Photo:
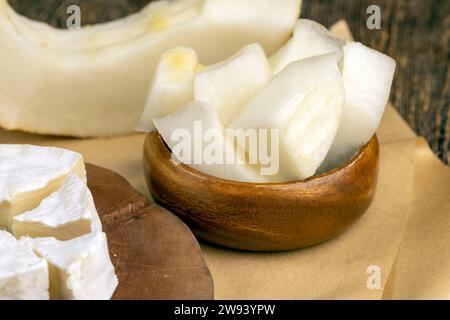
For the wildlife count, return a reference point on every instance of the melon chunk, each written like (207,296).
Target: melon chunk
(367,76)
(172,85)
(304,102)
(196,136)
(310,39)
(230,85)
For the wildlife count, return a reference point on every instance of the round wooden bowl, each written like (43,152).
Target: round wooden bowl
(263,217)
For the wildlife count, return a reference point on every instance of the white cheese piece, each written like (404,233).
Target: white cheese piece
(310,39)
(80,269)
(304,102)
(367,76)
(23,275)
(67,213)
(94,82)
(28,174)
(187,129)
(229,85)
(171,87)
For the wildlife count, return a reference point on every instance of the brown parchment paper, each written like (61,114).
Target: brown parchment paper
(422,268)
(405,234)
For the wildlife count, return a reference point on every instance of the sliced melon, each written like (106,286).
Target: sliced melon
(94,81)
(231,84)
(367,76)
(196,137)
(310,39)
(172,85)
(304,102)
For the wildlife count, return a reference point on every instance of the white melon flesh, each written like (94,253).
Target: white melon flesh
(310,39)
(94,81)
(305,103)
(230,85)
(172,85)
(367,76)
(186,119)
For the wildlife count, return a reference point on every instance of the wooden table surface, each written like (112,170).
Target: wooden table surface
(414,32)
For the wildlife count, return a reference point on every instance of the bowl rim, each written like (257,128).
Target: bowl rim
(373,142)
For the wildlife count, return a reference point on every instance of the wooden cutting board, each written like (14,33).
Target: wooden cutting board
(155,255)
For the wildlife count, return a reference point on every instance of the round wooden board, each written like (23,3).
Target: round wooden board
(155,255)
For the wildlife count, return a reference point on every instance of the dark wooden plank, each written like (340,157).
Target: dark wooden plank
(414,32)
(93,11)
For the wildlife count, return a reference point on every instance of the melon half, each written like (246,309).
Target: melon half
(94,81)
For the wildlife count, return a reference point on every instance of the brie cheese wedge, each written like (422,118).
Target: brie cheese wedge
(28,174)
(94,81)
(67,213)
(80,269)
(44,200)
(23,275)
(198,139)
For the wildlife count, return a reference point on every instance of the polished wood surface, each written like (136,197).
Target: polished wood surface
(263,217)
(414,32)
(154,253)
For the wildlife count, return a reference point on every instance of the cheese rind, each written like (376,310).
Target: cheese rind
(28,174)
(23,275)
(67,213)
(80,269)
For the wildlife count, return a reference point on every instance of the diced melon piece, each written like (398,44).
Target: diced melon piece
(305,103)
(367,76)
(189,127)
(172,85)
(230,85)
(310,39)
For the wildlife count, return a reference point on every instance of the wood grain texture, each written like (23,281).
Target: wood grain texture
(414,32)
(155,255)
(263,217)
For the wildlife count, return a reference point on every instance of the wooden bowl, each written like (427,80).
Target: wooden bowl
(263,217)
